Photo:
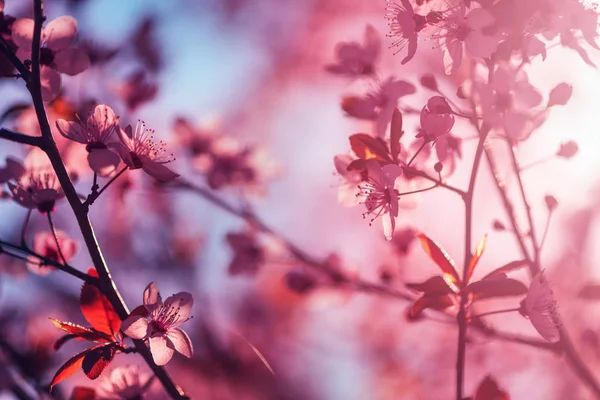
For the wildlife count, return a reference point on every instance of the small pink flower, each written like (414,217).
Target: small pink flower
(355,59)
(138,150)
(436,119)
(97,134)
(475,30)
(162,330)
(405,26)
(379,104)
(347,189)
(37,188)
(45,245)
(540,307)
(124,383)
(56,54)
(379,195)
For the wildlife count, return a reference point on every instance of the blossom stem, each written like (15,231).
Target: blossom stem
(12,57)
(485,314)
(416,172)
(543,240)
(95,194)
(24,229)
(55,234)
(536,163)
(417,153)
(419,190)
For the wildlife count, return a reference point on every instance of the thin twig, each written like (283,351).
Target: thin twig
(55,235)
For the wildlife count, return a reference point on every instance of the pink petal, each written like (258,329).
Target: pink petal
(60,33)
(374,173)
(158,171)
(479,45)
(180,341)
(103,161)
(182,301)
(161,352)
(453,56)
(50,80)
(347,194)
(135,326)
(126,136)
(389,224)
(22,33)
(341,162)
(479,18)
(152,298)
(103,122)
(391,172)
(71,61)
(72,130)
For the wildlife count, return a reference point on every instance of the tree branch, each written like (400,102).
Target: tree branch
(20,138)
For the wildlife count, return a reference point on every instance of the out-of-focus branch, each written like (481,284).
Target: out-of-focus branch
(20,137)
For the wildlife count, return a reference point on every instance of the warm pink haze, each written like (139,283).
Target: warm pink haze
(302,199)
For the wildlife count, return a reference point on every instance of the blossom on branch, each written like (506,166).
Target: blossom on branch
(56,54)
(139,150)
(162,328)
(37,189)
(124,383)
(354,59)
(97,133)
(541,308)
(45,245)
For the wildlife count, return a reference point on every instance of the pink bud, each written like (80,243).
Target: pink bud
(560,95)
(567,149)
(551,202)
(428,81)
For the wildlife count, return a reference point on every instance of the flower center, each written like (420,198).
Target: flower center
(46,56)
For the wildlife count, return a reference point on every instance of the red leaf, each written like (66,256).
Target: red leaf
(496,287)
(396,133)
(81,332)
(98,311)
(434,301)
(489,390)
(505,269)
(356,165)
(442,259)
(433,285)
(367,147)
(68,368)
(93,273)
(83,393)
(475,259)
(97,359)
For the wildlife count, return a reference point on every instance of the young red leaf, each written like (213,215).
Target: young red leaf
(81,331)
(433,285)
(356,165)
(97,359)
(98,311)
(489,390)
(496,287)
(441,258)
(396,133)
(475,259)
(434,301)
(68,368)
(93,273)
(505,269)
(83,393)
(367,147)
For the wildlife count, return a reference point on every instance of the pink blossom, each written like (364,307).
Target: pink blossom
(37,188)
(162,330)
(44,244)
(436,119)
(248,253)
(379,104)
(124,383)
(380,197)
(404,27)
(354,59)
(97,134)
(351,180)
(13,170)
(56,54)
(474,30)
(138,150)
(541,308)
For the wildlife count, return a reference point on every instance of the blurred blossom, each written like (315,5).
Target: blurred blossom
(37,189)
(404,26)
(137,89)
(348,190)
(162,330)
(45,245)
(541,308)
(56,53)
(248,254)
(124,383)
(354,59)
(436,118)
(13,170)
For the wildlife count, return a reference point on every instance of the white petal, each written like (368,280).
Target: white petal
(135,327)
(72,130)
(180,341)
(152,298)
(50,81)
(183,301)
(22,33)
(71,61)
(103,161)
(158,171)
(60,33)
(161,352)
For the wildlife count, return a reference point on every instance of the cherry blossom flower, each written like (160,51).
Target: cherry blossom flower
(541,308)
(354,59)
(379,104)
(56,54)
(379,196)
(97,134)
(351,180)
(37,188)
(404,27)
(137,89)
(507,100)
(248,253)
(162,330)
(44,244)
(138,150)
(475,30)
(436,119)
(124,383)
(13,170)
